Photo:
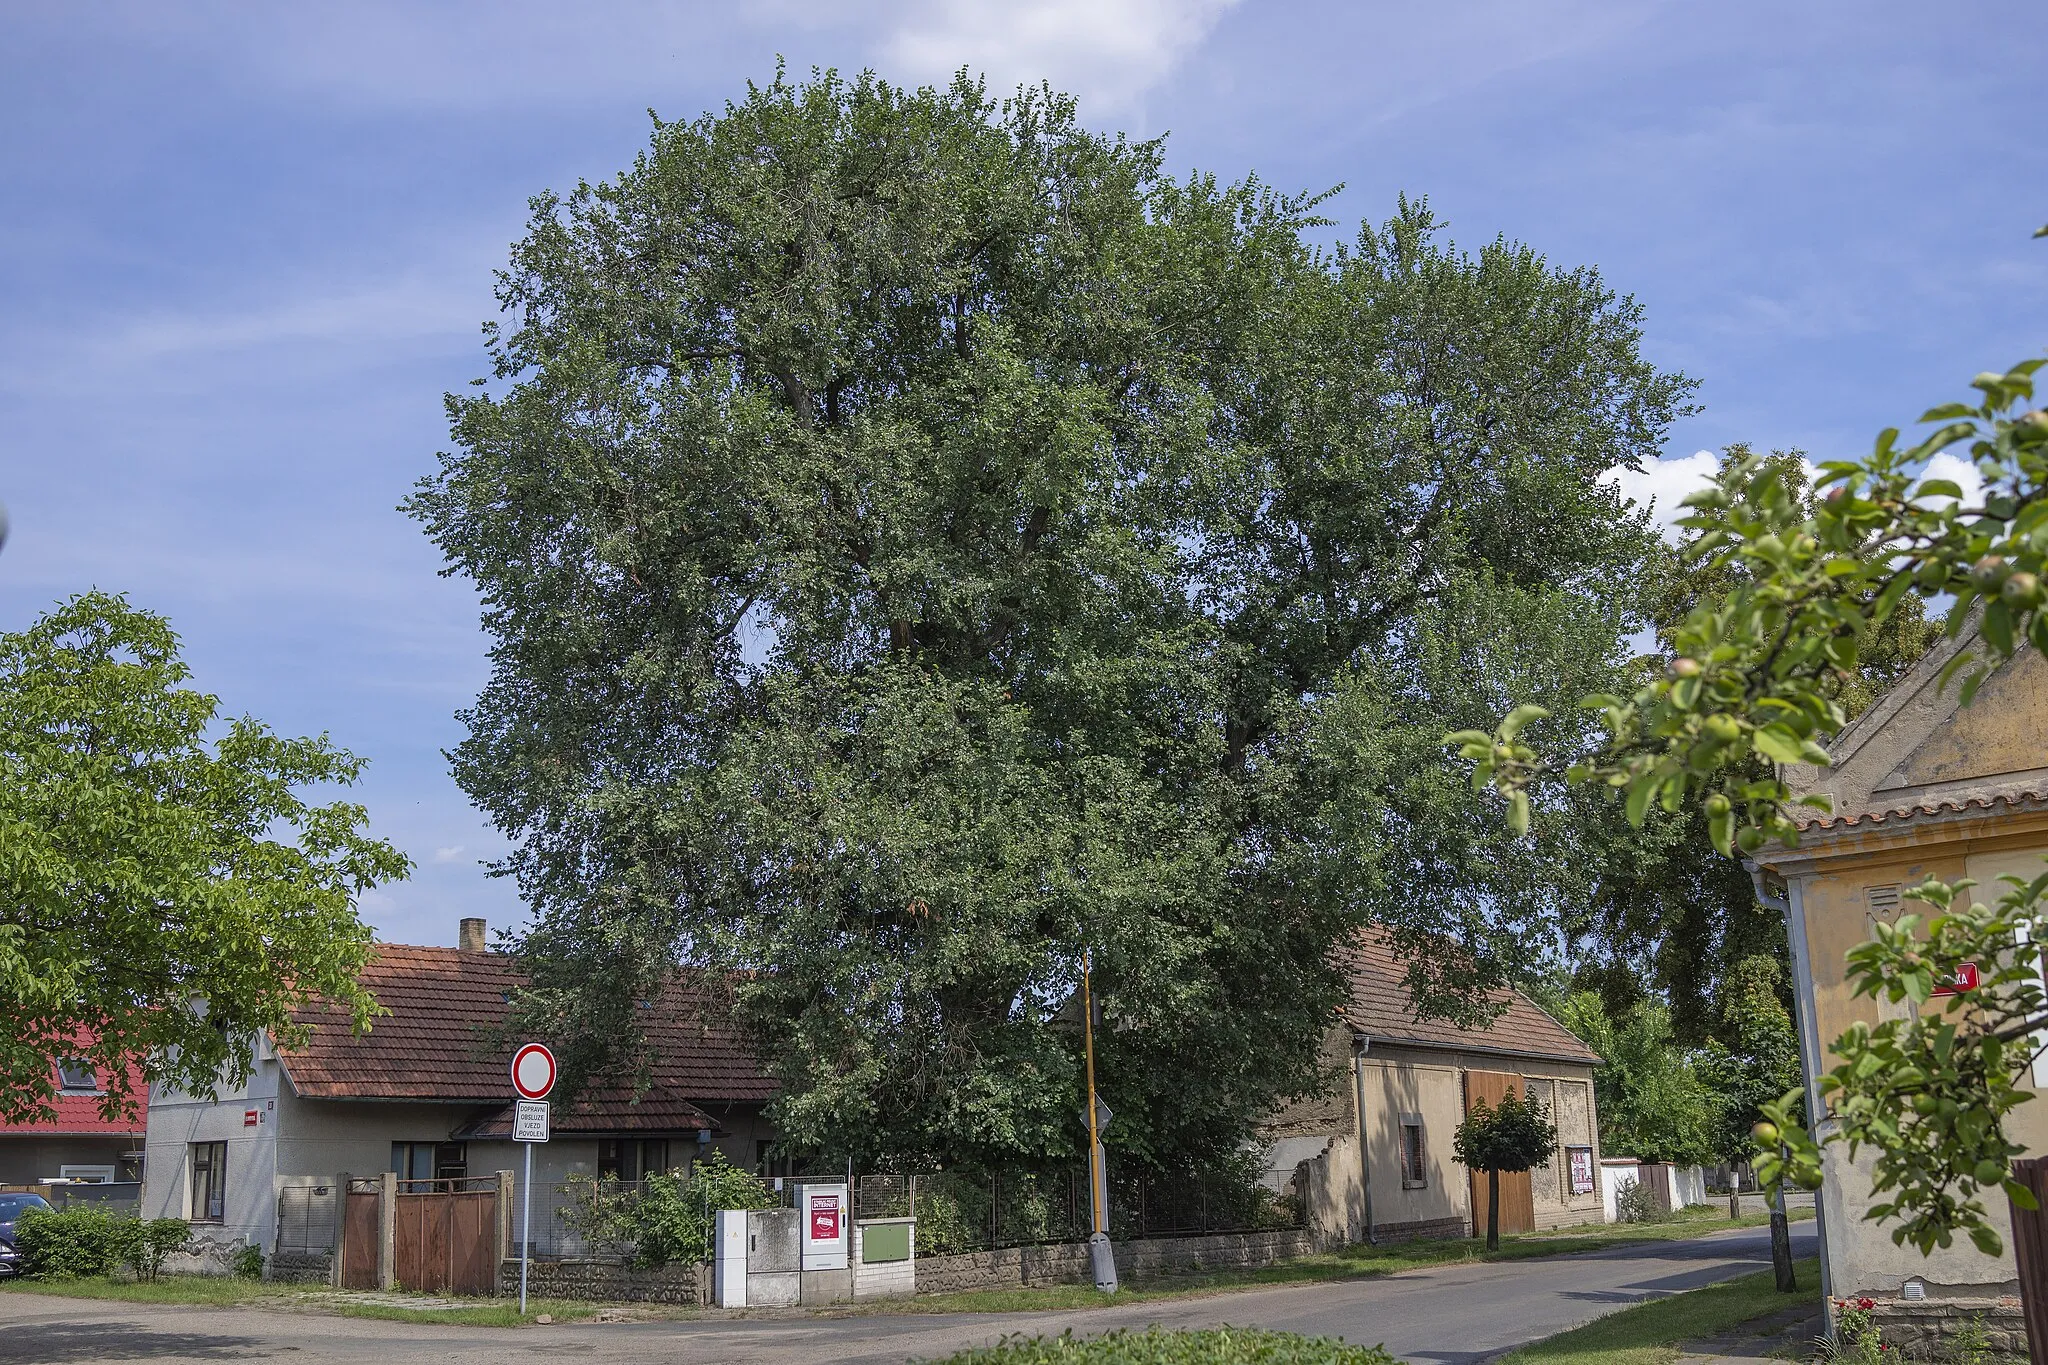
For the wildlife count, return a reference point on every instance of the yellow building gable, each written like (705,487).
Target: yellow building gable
(1921,787)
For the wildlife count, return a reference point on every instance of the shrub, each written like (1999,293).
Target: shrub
(74,1243)
(1857,1339)
(669,1217)
(1154,1346)
(151,1242)
(247,1264)
(1633,1204)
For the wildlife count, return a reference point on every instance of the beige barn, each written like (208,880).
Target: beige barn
(1921,787)
(1414,1080)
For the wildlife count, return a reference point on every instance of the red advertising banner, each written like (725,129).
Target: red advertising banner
(824,1218)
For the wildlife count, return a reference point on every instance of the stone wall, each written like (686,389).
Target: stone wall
(294,1267)
(1067,1263)
(1919,1330)
(608,1281)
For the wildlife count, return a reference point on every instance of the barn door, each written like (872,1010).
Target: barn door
(1517,1194)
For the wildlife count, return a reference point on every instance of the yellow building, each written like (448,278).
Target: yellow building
(1371,1156)
(1921,787)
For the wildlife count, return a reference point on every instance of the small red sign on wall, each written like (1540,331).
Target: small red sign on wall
(824,1217)
(251,1117)
(1965,979)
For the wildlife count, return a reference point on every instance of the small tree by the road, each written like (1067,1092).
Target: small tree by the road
(163,895)
(1514,1135)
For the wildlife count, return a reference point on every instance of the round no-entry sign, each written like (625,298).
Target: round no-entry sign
(533,1071)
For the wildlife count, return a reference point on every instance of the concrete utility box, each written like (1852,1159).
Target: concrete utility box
(773,1259)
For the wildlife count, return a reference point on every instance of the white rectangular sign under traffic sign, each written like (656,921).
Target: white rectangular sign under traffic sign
(530,1121)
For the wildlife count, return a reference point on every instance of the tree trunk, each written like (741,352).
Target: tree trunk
(1493,1210)
(1781,1245)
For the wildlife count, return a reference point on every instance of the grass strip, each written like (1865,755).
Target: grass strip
(1651,1333)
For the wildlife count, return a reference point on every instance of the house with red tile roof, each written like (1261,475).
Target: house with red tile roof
(426,1093)
(1371,1156)
(77,1142)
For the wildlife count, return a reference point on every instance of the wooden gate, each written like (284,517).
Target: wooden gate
(1517,1195)
(359,1236)
(445,1237)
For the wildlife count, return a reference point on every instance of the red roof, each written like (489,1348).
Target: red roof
(435,1045)
(78,1113)
(1380,1007)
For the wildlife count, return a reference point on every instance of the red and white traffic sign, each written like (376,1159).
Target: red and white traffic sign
(1964,981)
(533,1071)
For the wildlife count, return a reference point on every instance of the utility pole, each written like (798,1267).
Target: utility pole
(1101,1255)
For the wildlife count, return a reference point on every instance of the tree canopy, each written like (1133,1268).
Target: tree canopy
(922,539)
(164,896)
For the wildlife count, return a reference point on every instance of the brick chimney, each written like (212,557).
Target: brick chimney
(472,938)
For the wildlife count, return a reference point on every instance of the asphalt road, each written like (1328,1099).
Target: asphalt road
(1453,1314)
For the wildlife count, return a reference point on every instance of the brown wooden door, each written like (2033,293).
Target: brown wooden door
(359,1236)
(1517,1194)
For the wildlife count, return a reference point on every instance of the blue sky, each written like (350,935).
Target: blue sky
(247,247)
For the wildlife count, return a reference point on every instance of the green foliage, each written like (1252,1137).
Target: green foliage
(1753,1060)
(89,1241)
(247,1263)
(1858,1339)
(1514,1135)
(1159,1346)
(1633,1203)
(921,540)
(667,1218)
(1755,682)
(1664,914)
(1754,669)
(1653,1103)
(1930,1092)
(153,1241)
(219,900)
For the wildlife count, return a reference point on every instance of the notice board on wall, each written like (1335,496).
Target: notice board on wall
(1580,1162)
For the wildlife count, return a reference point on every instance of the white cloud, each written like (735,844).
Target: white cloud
(448,855)
(1660,484)
(1105,52)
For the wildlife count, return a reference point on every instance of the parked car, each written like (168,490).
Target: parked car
(12,1206)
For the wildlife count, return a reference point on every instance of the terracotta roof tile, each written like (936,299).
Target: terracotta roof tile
(78,1114)
(1380,1008)
(2025,800)
(434,1046)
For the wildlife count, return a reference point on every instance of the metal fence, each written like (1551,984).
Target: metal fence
(308,1217)
(116,1196)
(957,1212)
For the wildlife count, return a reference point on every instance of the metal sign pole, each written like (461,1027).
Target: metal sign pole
(525,1226)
